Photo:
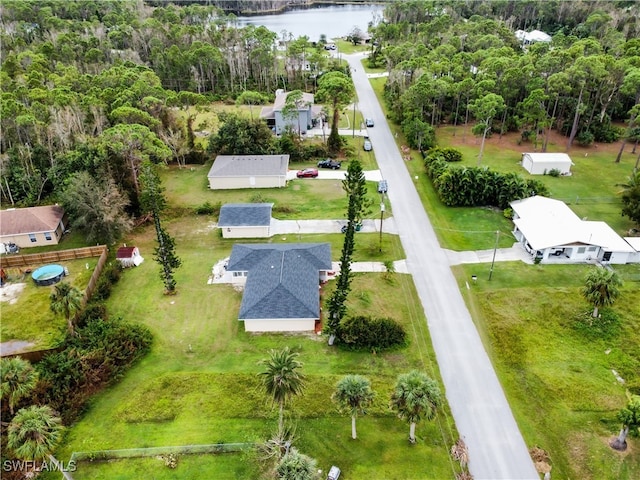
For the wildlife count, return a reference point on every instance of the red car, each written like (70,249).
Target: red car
(307,173)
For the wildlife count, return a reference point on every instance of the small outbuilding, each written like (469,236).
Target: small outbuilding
(245,220)
(129,256)
(230,172)
(543,163)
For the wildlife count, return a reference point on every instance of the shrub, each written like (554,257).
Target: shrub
(554,172)
(585,138)
(207,209)
(364,333)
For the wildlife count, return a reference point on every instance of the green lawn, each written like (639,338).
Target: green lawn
(198,384)
(30,318)
(557,372)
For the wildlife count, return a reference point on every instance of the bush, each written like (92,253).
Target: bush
(585,138)
(207,209)
(554,172)
(375,334)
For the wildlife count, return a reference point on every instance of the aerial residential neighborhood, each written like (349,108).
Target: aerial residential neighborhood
(292,240)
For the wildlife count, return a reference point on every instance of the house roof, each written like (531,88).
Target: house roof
(548,157)
(249,165)
(547,223)
(634,242)
(281,98)
(533,36)
(21,221)
(282,279)
(245,215)
(125,252)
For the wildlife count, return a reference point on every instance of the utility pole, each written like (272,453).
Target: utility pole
(381,218)
(353,134)
(495,248)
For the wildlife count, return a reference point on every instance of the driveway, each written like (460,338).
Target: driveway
(511,254)
(329,174)
(294,227)
(483,417)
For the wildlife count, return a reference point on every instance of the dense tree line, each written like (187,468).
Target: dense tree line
(451,62)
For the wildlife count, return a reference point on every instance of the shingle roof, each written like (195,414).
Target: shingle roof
(282,279)
(281,99)
(245,215)
(249,165)
(20,221)
(125,252)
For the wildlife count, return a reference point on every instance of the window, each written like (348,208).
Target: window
(32,237)
(581,249)
(591,249)
(47,235)
(239,274)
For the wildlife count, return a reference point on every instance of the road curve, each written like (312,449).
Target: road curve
(483,417)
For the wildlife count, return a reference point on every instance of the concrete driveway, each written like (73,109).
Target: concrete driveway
(294,227)
(483,417)
(329,174)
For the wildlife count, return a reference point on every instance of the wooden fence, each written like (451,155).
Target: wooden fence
(33,259)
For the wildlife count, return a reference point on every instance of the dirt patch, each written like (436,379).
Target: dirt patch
(15,346)
(10,292)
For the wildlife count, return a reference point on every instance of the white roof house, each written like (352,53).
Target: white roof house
(549,230)
(532,36)
(543,163)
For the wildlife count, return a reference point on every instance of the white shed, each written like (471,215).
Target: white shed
(543,163)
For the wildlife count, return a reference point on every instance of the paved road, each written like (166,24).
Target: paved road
(480,409)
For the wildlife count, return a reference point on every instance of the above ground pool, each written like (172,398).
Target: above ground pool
(48,275)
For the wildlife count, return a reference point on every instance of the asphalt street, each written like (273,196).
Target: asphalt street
(483,417)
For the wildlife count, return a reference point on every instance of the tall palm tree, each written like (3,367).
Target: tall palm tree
(66,301)
(416,396)
(34,432)
(18,380)
(282,379)
(601,288)
(353,394)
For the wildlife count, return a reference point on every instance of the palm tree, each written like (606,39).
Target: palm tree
(296,466)
(282,379)
(601,288)
(630,418)
(34,432)
(18,380)
(353,394)
(416,396)
(66,301)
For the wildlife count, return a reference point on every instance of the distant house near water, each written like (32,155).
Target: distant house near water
(245,220)
(32,226)
(550,231)
(543,163)
(281,284)
(248,171)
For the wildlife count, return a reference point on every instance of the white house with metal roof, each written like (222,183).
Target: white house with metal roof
(248,171)
(548,229)
(245,220)
(543,163)
(281,284)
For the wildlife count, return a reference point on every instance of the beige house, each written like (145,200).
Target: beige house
(245,220)
(230,172)
(281,284)
(32,226)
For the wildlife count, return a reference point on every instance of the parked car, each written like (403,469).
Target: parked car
(367,145)
(357,228)
(369,122)
(307,173)
(329,163)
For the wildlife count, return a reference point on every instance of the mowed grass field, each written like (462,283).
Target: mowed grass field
(199,383)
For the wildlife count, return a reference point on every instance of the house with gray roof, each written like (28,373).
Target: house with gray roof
(32,226)
(303,121)
(245,220)
(248,171)
(281,284)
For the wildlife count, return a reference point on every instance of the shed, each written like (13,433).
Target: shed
(129,256)
(245,220)
(248,171)
(543,163)
(32,226)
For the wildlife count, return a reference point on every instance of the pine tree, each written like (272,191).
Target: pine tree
(153,202)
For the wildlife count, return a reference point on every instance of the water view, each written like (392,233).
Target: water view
(332,21)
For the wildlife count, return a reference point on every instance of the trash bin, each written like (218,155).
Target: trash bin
(334,473)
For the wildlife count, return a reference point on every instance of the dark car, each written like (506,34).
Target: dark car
(329,163)
(307,173)
(369,122)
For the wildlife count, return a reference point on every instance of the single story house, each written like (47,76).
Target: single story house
(303,121)
(635,244)
(245,220)
(248,171)
(281,284)
(534,36)
(129,256)
(549,230)
(543,163)
(32,226)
